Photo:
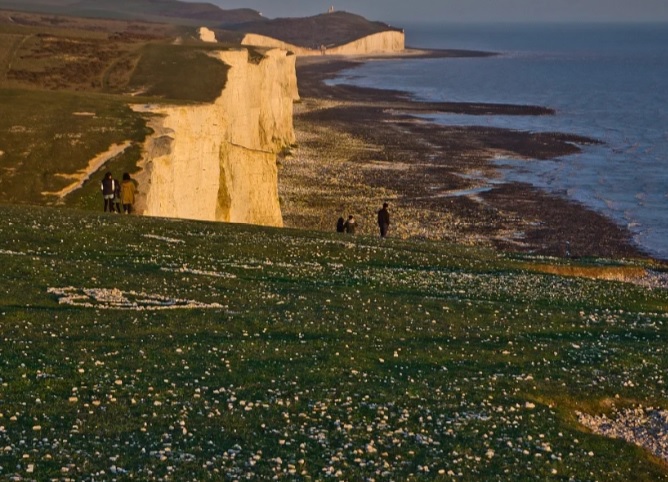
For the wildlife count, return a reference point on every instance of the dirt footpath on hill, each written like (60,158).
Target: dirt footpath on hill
(359,147)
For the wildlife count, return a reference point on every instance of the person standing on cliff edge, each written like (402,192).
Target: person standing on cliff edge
(127,193)
(383,220)
(108,186)
(350,225)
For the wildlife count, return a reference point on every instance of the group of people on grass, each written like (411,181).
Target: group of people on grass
(350,225)
(117,194)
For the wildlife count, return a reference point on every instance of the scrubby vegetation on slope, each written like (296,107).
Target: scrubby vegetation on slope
(60,53)
(144,348)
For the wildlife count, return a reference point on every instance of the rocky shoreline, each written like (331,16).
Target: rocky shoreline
(358,147)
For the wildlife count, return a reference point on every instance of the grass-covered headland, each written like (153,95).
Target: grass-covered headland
(66,89)
(149,349)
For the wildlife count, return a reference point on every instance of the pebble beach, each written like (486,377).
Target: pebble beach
(359,147)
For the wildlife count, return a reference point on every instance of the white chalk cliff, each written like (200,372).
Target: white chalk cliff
(383,42)
(207,35)
(217,162)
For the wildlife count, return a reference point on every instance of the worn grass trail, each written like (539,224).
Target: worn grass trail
(152,349)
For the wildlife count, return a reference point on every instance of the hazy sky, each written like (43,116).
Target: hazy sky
(397,11)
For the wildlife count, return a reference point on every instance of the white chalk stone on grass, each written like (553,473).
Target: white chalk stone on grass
(113,298)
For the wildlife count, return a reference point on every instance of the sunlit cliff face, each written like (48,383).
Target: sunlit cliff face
(217,162)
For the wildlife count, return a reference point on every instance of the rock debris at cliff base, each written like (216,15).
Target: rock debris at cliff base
(359,147)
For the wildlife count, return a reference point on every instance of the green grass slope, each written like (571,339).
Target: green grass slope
(148,349)
(66,86)
(47,136)
(108,56)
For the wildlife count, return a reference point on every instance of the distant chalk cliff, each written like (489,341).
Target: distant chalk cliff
(382,42)
(217,162)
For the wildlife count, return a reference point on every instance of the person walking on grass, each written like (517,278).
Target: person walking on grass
(383,220)
(108,186)
(350,225)
(127,193)
(340,226)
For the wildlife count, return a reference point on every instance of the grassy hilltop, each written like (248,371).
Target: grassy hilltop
(66,86)
(150,349)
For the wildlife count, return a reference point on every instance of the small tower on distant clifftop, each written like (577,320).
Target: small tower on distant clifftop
(331,9)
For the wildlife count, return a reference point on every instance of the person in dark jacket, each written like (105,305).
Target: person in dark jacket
(383,220)
(108,186)
(350,225)
(340,226)
(117,195)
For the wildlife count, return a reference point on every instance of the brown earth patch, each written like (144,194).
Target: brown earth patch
(609,273)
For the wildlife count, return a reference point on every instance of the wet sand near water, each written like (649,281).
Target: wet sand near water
(359,147)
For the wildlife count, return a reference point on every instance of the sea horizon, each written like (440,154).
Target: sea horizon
(606,81)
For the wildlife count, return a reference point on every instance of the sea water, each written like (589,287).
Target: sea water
(608,82)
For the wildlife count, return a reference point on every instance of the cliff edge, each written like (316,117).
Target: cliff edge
(382,42)
(332,33)
(217,162)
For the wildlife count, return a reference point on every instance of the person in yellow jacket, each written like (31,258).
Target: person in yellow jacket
(127,193)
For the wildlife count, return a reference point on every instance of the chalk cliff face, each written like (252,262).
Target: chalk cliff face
(217,162)
(207,35)
(383,42)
